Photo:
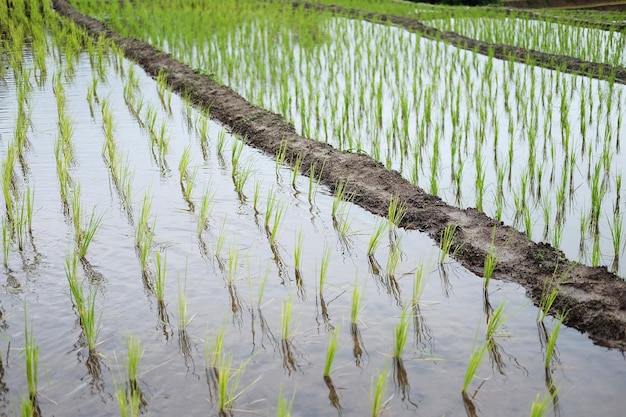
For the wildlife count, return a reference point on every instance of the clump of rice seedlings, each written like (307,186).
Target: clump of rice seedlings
(378,391)
(284,405)
(181,307)
(419,285)
(205,210)
(314,182)
(235,154)
(183,165)
(28,407)
(161,270)
(255,197)
(134,353)
(295,171)
(376,237)
(128,401)
(400,333)
(8,182)
(241,177)
(326,254)
(395,254)
(297,252)
(31,355)
(286,310)
(233,257)
(490,260)
(6,242)
(340,197)
(281,154)
(279,215)
(269,206)
(541,406)
(554,334)
(550,292)
(221,141)
(331,350)
(475,361)
(357,302)
(83,232)
(395,212)
(228,383)
(495,321)
(445,243)
(90,320)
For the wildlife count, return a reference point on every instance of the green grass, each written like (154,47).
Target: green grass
(475,361)
(378,392)
(31,355)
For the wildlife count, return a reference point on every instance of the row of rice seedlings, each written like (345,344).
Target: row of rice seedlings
(450,102)
(581,42)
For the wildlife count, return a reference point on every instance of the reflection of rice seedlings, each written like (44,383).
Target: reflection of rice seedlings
(161,270)
(378,391)
(31,354)
(376,237)
(445,244)
(331,351)
(326,253)
(400,333)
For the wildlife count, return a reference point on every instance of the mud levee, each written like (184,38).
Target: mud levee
(505,52)
(594,298)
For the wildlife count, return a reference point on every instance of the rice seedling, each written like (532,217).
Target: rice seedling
(6,242)
(541,406)
(183,165)
(87,233)
(400,333)
(495,321)
(281,154)
(228,383)
(554,334)
(181,307)
(221,141)
(27,408)
(490,260)
(296,171)
(475,361)
(375,239)
(331,350)
(286,311)
(395,254)
(378,391)
(76,287)
(284,405)
(326,254)
(134,353)
(446,241)
(395,213)
(241,177)
(340,196)
(205,210)
(128,402)
(297,251)
(161,270)
(90,320)
(31,355)
(419,285)
(357,302)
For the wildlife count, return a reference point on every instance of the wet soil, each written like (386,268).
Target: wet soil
(594,298)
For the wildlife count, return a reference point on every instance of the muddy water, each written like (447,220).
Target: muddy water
(172,371)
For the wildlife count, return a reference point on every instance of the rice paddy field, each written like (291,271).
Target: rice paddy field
(155,264)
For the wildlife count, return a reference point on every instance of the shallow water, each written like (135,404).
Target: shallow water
(172,370)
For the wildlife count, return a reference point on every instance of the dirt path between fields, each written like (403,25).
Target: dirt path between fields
(504,52)
(595,298)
